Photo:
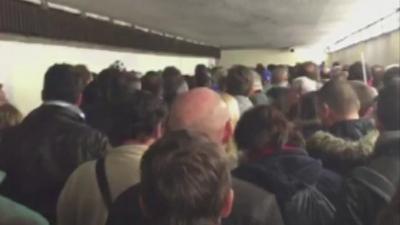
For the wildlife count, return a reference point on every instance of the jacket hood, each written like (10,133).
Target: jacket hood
(2,176)
(352,129)
(388,143)
(327,143)
(341,155)
(282,173)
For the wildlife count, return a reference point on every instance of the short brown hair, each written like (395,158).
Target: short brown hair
(62,83)
(152,82)
(340,96)
(356,71)
(85,74)
(239,81)
(279,74)
(9,116)
(184,179)
(172,80)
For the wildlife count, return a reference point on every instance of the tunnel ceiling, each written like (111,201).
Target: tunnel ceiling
(245,23)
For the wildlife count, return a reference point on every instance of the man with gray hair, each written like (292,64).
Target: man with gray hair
(280,77)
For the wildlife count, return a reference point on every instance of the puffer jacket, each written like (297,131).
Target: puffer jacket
(40,154)
(345,146)
(369,189)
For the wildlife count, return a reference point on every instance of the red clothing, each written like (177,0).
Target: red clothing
(271,151)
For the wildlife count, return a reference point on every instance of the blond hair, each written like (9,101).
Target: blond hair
(234,113)
(9,116)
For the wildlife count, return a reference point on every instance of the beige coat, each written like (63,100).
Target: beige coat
(80,202)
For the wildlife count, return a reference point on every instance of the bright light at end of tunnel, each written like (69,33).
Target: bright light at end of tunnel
(356,28)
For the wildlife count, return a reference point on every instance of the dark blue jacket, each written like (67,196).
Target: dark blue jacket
(288,172)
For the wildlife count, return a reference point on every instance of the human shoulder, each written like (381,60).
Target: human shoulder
(12,213)
(126,209)
(254,205)
(81,176)
(251,192)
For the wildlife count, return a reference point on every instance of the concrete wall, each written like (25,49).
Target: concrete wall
(250,57)
(383,50)
(24,61)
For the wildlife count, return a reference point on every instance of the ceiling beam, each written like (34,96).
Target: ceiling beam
(24,18)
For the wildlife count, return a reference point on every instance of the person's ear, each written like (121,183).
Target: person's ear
(379,125)
(43,95)
(324,111)
(79,100)
(228,132)
(369,113)
(159,131)
(228,204)
(142,205)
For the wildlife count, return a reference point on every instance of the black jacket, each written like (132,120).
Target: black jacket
(12,213)
(286,173)
(370,188)
(40,154)
(252,206)
(344,146)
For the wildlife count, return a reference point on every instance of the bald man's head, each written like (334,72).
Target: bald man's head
(201,110)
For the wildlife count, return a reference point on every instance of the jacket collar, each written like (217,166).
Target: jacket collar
(135,149)
(2,176)
(388,141)
(242,98)
(352,129)
(272,151)
(389,137)
(244,103)
(206,222)
(294,164)
(324,142)
(66,105)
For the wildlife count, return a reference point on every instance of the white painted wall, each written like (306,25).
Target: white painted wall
(384,50)
(250,57)
(23,64)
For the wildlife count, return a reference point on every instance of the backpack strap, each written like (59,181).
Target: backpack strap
(103,182)
(375,182)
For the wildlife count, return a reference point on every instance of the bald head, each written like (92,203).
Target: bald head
(201,110)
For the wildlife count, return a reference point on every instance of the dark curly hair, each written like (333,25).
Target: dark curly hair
(265,127)
(172,80)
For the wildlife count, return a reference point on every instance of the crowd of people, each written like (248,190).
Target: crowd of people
(270,145)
